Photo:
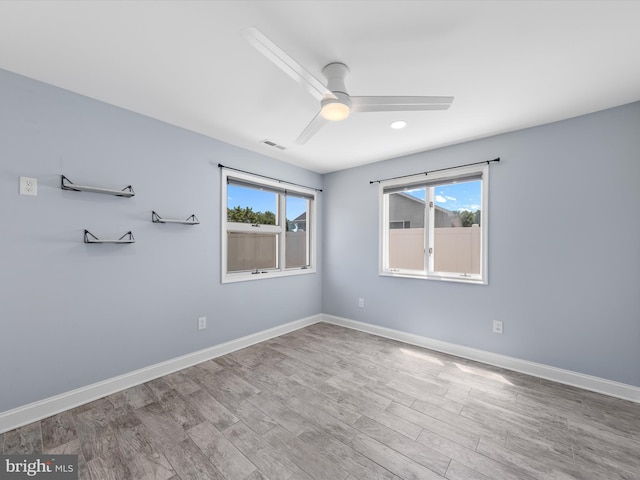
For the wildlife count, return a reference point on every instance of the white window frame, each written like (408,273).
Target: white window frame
(428,273)
(280,228)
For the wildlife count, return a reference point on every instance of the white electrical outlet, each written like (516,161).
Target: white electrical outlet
(28,186)
(361,302)
(497,326)
(202,323)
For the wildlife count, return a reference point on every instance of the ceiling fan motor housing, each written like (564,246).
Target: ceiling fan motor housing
(335,74)
(338,108)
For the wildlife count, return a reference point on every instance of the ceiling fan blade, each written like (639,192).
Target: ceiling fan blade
(287,64)
(311,129)
(399,104)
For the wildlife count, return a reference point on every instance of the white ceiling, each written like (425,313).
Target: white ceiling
(509,64)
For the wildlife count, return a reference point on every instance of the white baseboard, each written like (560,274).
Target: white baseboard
(35,411)
(567,377)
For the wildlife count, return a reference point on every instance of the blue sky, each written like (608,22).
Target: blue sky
(455,196)
(261,201)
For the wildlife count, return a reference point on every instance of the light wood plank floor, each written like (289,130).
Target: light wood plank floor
(330,403)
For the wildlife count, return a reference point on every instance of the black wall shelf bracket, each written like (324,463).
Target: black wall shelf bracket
(192,220)
(91,238)
(67,184)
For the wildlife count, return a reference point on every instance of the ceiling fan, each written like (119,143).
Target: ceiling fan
(335,103)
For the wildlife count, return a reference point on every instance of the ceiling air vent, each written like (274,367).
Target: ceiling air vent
(275,145)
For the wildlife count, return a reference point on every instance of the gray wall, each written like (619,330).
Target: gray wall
(73,314)
(566,286)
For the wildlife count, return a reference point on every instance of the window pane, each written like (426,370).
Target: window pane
(406,229)
(297,236)
(250,251)
(457,215)
(251,205)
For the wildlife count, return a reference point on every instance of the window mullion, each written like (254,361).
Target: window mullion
(384,227)
(430,226)
(308,233)
(282,221)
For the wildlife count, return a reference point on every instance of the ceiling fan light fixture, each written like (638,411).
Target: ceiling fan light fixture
(334,111)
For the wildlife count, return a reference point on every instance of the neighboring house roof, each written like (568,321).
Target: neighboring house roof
(299,223)
(421,202)
(443,216)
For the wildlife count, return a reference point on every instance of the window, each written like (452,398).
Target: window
(435,226)
(267,230)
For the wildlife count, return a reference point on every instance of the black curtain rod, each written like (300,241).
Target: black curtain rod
(438,170)
(270,178)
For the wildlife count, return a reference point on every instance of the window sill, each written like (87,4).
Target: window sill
(247,276)
(476,280)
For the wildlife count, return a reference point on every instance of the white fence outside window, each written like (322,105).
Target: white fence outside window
(456,249)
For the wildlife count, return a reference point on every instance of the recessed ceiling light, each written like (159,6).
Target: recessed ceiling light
(397,125)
